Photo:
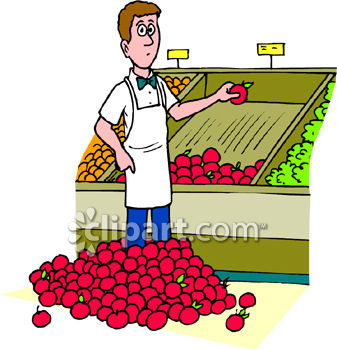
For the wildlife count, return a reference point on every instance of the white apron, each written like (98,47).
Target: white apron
(150,185)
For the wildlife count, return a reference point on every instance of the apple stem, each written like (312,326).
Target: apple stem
(37,309)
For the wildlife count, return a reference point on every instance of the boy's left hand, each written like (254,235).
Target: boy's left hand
(223,94)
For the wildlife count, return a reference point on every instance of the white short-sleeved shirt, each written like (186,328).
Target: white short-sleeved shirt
(119,100)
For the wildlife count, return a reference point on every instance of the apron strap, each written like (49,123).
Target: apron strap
(132,93)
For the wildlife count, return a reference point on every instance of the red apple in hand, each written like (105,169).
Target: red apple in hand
(242,90)
(41,318)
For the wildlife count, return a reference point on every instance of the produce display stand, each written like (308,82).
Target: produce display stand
(280,103)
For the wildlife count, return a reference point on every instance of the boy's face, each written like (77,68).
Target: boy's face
(143,46)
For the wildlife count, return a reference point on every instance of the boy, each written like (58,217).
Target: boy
(144,99)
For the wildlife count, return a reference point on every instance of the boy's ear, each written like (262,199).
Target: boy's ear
(125,48)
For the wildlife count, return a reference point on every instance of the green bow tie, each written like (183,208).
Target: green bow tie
(141,82)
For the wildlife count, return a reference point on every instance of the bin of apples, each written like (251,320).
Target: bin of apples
(206,169)
(144,285)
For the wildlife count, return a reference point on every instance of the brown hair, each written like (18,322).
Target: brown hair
(127,14)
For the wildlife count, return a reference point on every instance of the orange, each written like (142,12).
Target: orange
(98,173)
(92,169)
(169,84)
(82,176)
(176,82)
(90,178)
(82,167)
(181,87)
(106,154)
(89,156)
(167,78)
(105,166)
(91,163)
(109,159)
(175,91)
(99,161)
(105,147)
(97,154)
(186,80)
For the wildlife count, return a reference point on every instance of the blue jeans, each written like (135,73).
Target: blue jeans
(136,224)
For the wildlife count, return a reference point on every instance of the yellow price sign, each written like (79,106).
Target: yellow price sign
(178,55)
(271,49)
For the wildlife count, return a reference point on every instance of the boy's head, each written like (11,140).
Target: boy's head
(139,31)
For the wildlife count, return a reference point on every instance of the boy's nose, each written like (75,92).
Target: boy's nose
(148,40)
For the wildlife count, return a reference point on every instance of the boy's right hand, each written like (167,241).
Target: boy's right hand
(124,161)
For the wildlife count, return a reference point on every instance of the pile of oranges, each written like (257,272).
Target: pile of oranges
(98,157)
(176,85)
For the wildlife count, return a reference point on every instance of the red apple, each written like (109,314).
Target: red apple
(242,90)
(245,180)
(197,170)
(183,171)
(202,180)
(173,178)
(41,318)
(211,166)
(227,180)
(250,171)
(183,160)
(259,164)
(215,177)
(80,311)
(237,175)
(211,155)
(156,320)
(118,320)
(184,180)
(196,160)
(121,178)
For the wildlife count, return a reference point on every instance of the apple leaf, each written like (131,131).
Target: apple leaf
(198,307)
(202,164)
(248,85)
(242,312)
(80,298)
(245,316)
(209,173)
(44,273)
(194,303)
(211,177)
(180,278)
(48,277)
(183,285)
(238,164)
(187,151)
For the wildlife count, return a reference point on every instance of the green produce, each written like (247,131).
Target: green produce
(295,170)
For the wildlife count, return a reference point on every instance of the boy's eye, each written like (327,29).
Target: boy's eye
(141,30)
(151,29)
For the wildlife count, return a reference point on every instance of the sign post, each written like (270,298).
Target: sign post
(273,49)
